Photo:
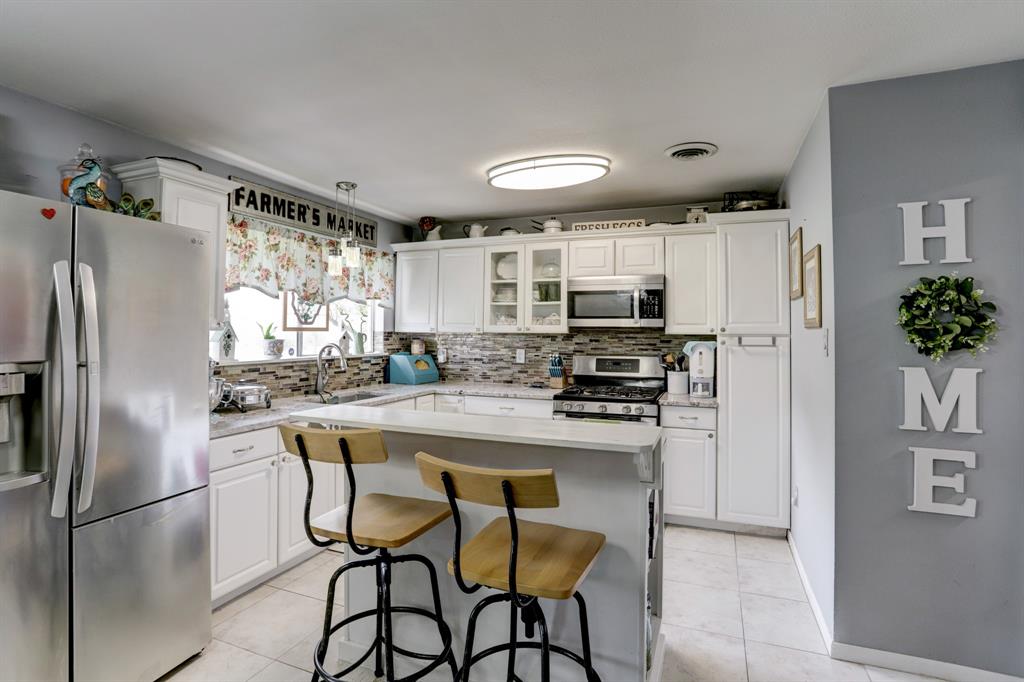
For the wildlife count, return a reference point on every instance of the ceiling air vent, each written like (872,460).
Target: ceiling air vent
(691,151)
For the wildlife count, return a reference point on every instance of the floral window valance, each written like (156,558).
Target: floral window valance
(273,259)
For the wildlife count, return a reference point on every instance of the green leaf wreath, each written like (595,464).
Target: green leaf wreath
(947,314)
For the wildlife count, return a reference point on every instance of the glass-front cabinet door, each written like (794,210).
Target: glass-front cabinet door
(546,274)
(505,282)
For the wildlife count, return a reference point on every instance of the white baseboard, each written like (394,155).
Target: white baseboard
(890,659)
(819,617)
(657,661)
(914,664)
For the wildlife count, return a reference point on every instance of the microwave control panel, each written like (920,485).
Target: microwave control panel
(651,307)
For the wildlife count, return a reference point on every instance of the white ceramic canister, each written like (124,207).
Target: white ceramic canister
(418,347)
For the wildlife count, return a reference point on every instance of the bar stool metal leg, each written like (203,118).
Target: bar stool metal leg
(585,636)
(436,593)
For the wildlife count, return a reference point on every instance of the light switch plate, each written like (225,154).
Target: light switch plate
(520,356)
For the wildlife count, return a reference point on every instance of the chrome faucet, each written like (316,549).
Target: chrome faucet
(321,369)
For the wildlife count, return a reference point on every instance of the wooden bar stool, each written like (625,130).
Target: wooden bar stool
(372,523)
(525,560)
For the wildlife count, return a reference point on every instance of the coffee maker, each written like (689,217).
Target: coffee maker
(702,368)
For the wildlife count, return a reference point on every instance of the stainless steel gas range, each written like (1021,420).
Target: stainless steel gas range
(613,388)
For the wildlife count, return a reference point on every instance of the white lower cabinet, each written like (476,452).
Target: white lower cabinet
(243,518)
(449,403)
(689,465)
(291,502)
(425,403)
(508,407)
(753,430)
(257,508)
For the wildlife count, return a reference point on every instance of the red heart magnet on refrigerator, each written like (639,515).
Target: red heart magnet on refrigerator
(48,213)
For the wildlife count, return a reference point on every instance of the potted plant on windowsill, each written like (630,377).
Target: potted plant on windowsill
(273,347)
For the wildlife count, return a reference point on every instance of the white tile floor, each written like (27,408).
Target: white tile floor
(734,611)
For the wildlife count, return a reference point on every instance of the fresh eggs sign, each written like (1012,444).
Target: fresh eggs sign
(282,208)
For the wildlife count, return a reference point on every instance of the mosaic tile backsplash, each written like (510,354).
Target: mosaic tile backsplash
(287,379)
(491,357)
(471,357)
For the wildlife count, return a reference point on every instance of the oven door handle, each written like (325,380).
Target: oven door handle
(636,305)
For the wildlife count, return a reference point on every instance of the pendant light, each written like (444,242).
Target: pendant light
(347,253)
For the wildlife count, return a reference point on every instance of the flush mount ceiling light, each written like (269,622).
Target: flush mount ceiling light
(549,172)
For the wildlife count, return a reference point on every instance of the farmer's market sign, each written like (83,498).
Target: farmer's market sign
(286,209)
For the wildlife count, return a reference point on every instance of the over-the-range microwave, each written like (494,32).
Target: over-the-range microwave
(619,301)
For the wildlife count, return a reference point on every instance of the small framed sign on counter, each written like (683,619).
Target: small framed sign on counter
(600,225)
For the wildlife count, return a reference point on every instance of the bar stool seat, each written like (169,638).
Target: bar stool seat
(381,520)
(552,560)
(371,525)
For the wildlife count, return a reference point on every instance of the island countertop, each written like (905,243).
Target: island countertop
(637,439)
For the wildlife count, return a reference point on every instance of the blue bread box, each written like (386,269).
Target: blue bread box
(406,368)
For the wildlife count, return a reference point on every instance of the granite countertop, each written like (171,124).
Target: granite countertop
(230,422)
(677,400)
(620,437)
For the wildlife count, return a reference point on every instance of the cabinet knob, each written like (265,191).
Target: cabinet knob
(711,435)
(722,342)
(722,329)
(273,462)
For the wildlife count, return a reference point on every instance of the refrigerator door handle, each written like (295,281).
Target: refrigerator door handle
(68,387)
(90,439)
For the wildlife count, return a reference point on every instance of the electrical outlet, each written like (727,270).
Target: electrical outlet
(520,356)
(796,496)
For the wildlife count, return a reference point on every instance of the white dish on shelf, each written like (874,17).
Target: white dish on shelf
(550,270)
(506,267)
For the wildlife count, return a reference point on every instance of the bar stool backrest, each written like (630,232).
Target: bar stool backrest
(531,488)
(508,488)
(334,446)
(365,446)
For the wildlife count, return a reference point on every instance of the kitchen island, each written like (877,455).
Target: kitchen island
(608,476)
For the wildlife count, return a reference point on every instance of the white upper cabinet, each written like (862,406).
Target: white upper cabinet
(623,256)
(689,457)
(504,288)
(591,257)
(640,256)
(691,284)
(416,291)
(460,290)
(546,302)
(753,286)
(753,430)
(185,196)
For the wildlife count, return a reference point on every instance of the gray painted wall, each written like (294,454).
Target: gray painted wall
(36,137)
(939,587)
(807,190)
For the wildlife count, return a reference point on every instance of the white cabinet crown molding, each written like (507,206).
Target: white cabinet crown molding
(693,228)
(146,169)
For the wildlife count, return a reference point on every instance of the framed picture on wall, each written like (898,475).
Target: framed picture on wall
(796,266)
(812,288)
(302,316)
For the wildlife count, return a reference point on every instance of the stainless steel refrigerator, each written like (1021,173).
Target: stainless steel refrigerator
(104,427)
